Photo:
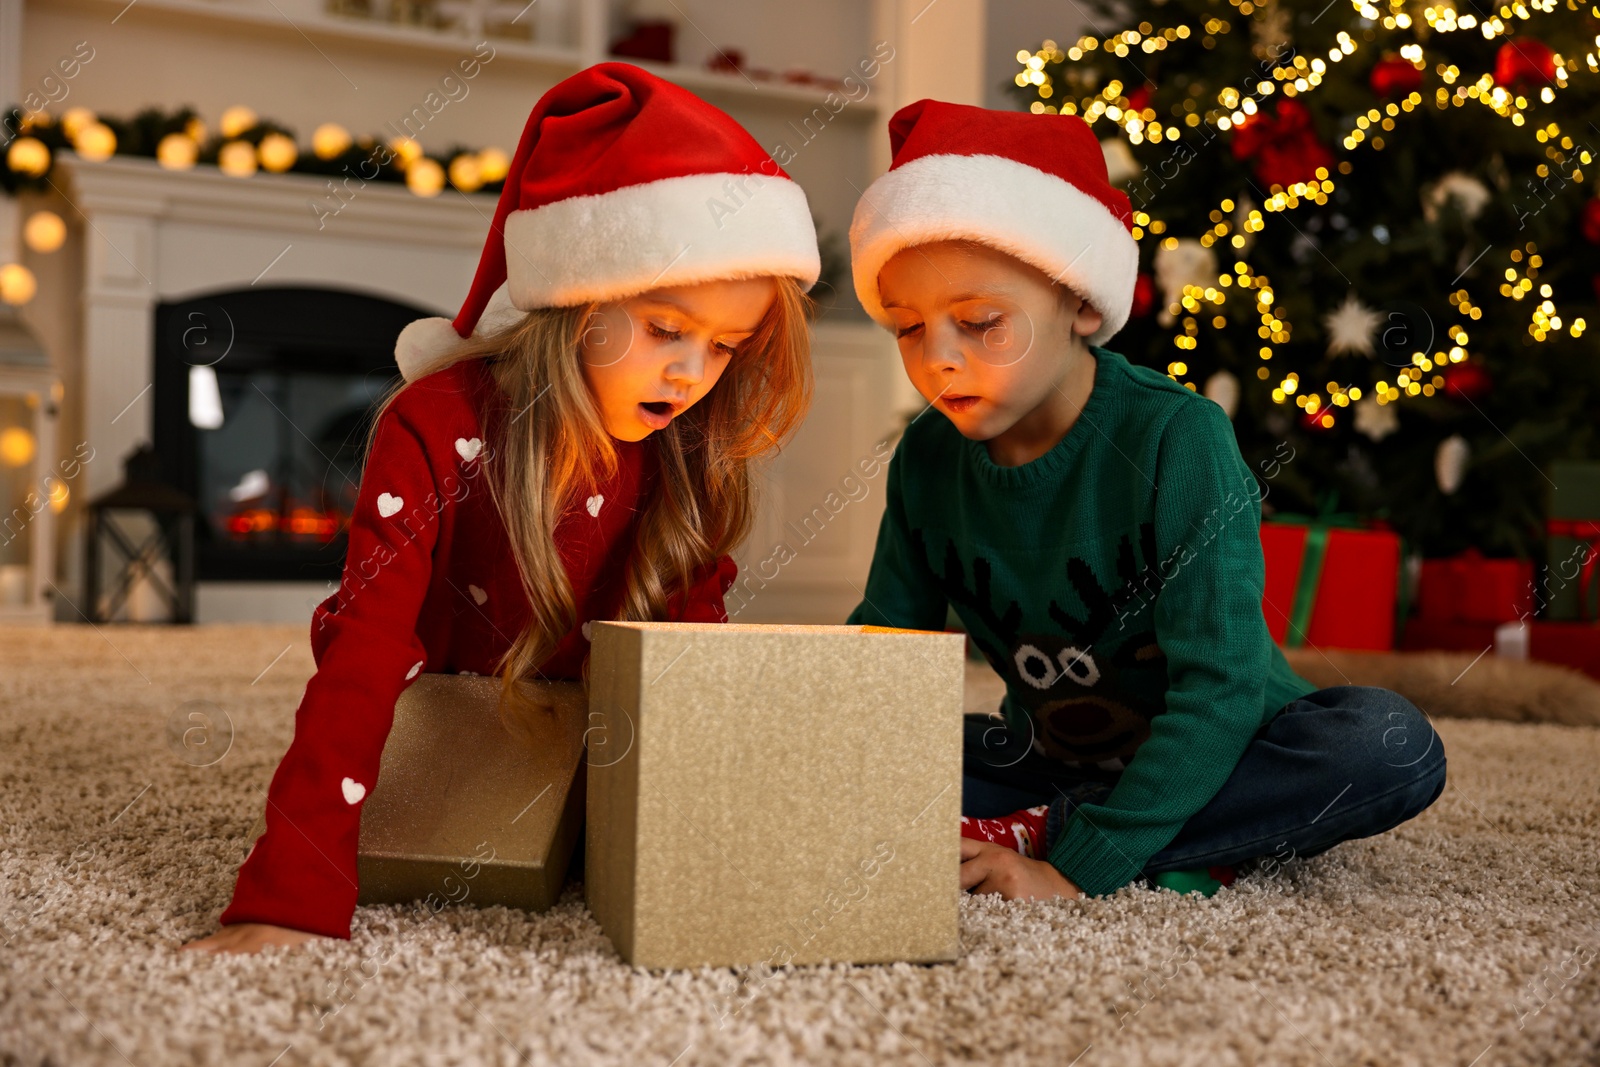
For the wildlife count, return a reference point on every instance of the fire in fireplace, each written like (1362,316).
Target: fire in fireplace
(263,398)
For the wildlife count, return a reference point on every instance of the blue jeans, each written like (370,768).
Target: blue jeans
(1337,764)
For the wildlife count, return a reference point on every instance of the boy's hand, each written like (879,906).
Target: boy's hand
(990,868)
(248,939)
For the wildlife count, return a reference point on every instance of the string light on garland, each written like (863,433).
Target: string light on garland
(95,142)
(237,159)
(17,284)
(330,140)
(425,177)
(244,146)
(177,151)
(236,120)
(276,152)
(28,155)
(44,232)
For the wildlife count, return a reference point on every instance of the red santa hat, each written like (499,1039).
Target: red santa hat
(1033,186)
(624,182)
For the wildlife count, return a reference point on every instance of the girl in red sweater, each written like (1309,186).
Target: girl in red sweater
(574,446)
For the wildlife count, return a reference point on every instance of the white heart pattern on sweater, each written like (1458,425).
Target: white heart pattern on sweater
(593,504)
(477,594)
(468,450)
(388,504)
(353,791)
(415,667)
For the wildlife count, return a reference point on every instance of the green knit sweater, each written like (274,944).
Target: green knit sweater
(1115,583)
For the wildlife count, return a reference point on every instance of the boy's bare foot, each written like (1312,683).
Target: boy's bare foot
(249,938)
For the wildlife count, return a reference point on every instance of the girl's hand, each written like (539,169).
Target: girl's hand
(249,938)
(990,868)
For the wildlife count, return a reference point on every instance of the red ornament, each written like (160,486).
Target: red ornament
(1144,296)
(1282,149)
(1589,221)
(1466,381)
(1524,60)
(1139,99)
(1313,421)
(1394,76)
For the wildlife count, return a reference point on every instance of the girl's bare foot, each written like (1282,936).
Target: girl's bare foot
(249,938)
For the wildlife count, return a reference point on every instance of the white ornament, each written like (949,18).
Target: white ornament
(593,504)
(353,791)
(1223,388)
(1270,34)
(1469,193)
(1450,463)
(1374,420)
(468,450)
(1350,327)
(1190,263)
(1120,164)
(388,504)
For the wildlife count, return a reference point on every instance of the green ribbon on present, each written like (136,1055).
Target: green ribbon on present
(1319,528)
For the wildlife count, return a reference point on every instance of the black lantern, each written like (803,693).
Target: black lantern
(173,512)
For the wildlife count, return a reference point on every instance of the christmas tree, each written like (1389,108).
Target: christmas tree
(1370,232)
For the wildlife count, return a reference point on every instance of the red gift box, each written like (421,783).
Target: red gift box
(1472,589)
(1425,635)
(1572,644)
(1352,602)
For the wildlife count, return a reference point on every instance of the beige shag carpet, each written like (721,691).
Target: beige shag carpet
(1469,936)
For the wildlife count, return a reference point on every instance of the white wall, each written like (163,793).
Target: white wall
(1016,24)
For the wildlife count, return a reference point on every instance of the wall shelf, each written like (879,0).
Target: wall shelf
(555,60)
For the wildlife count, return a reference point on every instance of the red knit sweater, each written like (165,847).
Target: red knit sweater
(429,584)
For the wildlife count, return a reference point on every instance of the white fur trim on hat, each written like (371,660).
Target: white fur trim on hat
(1021,210)
(432,344)
(674,231)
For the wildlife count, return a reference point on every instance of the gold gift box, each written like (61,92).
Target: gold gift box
(774,794)
(470,808)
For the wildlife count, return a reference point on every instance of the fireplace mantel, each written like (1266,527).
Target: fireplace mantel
(153,234)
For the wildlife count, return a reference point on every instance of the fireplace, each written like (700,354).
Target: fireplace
(263,398)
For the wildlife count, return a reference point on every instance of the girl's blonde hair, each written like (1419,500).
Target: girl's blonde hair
(547,443)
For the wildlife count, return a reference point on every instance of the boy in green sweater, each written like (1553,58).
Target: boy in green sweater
(1093,525)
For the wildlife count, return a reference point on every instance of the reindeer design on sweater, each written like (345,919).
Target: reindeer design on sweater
(1074,693)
